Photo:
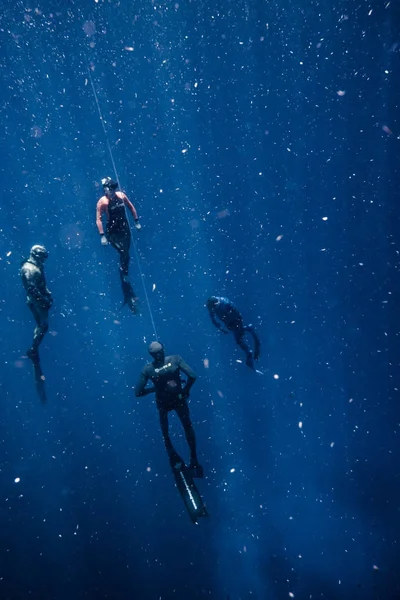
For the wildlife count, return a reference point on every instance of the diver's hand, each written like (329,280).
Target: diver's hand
(103,240)
(138,226)
(219,327)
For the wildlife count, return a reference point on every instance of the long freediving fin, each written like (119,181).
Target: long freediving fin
(190,494)
(132,302)
(130,299)
(39,377)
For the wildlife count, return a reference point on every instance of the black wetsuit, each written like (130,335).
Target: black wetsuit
(170,395)
(38,298)
(229,315)
(119,235)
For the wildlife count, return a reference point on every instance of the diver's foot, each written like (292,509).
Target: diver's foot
(133,304)
(250,361)
(33,354)
(196,469)
(175,461)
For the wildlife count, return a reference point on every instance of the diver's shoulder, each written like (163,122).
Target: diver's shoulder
(27,266)
(172,358)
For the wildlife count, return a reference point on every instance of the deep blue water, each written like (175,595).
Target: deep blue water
(259,142)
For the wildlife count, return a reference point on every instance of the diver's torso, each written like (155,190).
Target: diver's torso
(36,277)
(166,378)
(116,212)
(226,311)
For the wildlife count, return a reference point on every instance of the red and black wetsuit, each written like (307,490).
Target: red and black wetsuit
(118,232)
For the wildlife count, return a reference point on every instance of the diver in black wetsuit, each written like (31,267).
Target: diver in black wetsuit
(164,372)
(114,205)
(39,298)
(225,311)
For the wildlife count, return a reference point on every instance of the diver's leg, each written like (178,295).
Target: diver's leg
(32,351)
(257,344)
(182,410)
(174,457)
(41,317)
(127,289)
(238,333)
(121,242)
(124,245)
(42,327)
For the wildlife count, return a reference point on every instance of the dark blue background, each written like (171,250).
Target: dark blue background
(228,132)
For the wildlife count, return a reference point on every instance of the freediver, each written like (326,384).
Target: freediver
(228,314)
(164,372)
(38,297)
(118,232)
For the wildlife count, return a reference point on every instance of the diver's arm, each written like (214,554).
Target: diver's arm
(213,319)
(215,322)
(130,206)
(190,374)
(140,389)
(31,279)
(100,208)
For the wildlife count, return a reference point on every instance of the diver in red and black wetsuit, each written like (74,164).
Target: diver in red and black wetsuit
(164,372)
(114,204)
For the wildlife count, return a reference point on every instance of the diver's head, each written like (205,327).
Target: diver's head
(109,186)
(39,253)
(156,351)
(212,301)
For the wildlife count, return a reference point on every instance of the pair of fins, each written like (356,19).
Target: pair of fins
(184,479)
(132,303)
(38,374)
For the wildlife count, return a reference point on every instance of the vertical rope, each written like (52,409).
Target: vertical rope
(126,212)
